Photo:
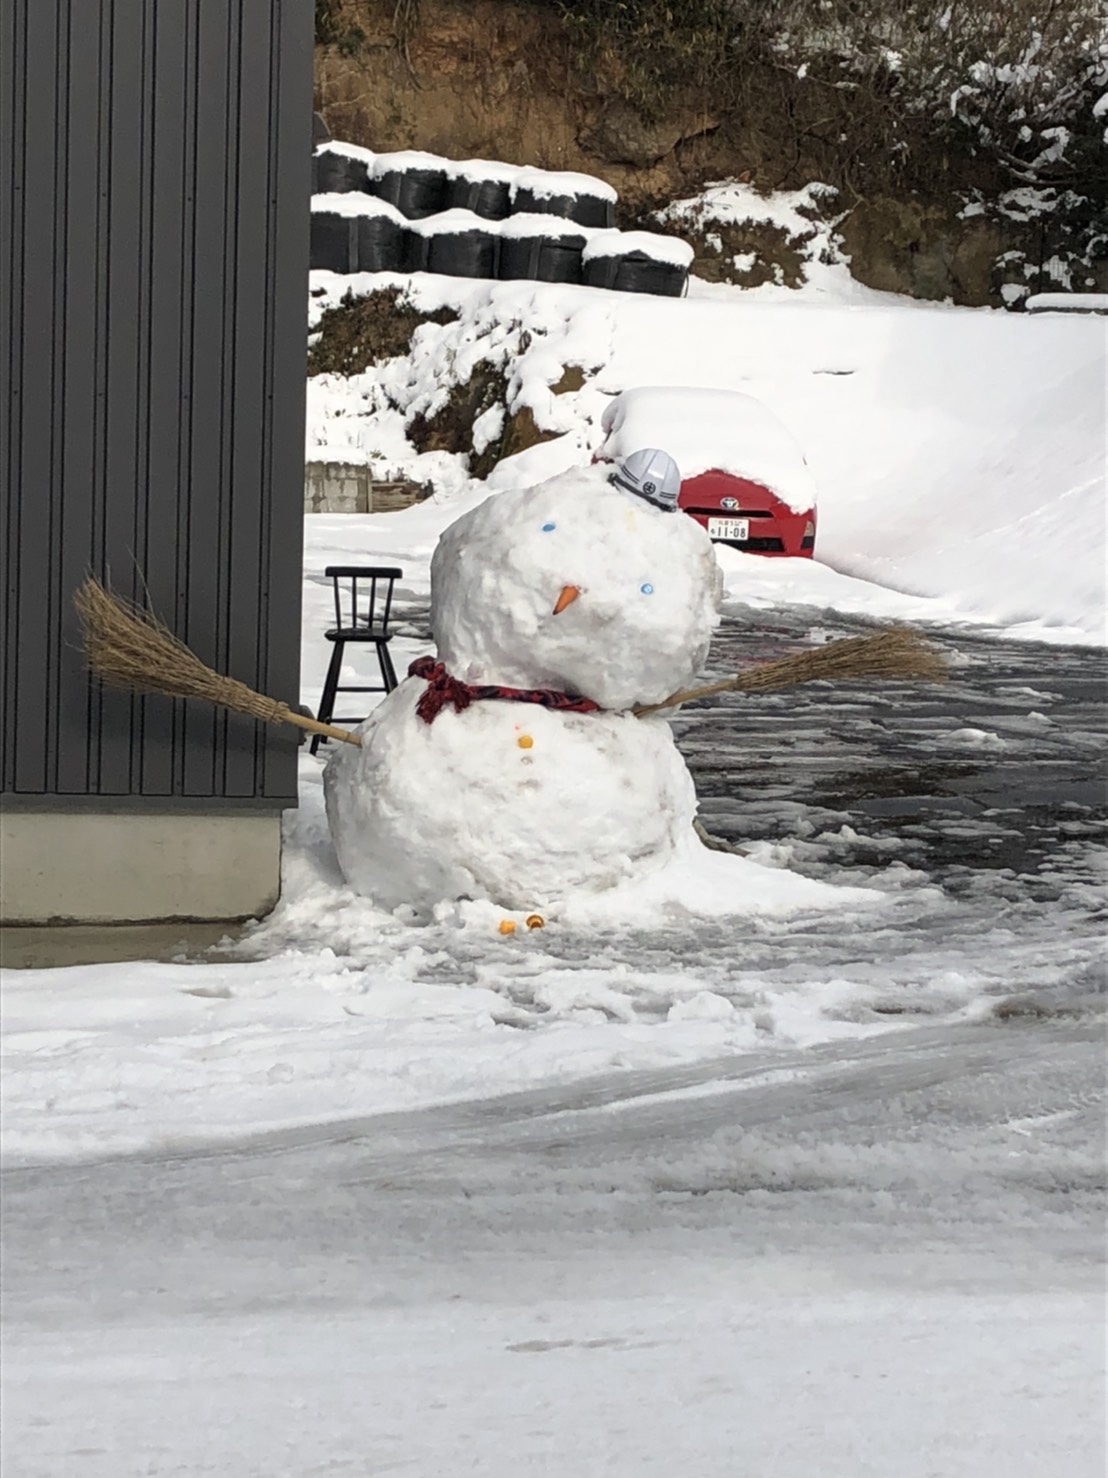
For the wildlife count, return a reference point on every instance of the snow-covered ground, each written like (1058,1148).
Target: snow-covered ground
(892,1276)
(856,1264)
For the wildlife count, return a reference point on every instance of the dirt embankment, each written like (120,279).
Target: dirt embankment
(493,79)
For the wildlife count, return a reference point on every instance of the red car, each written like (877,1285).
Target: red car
(742,475)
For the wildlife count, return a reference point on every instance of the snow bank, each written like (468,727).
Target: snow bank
(959,453)
(348,151)
(450,223)
(804,219)
(403,160)
(529,223)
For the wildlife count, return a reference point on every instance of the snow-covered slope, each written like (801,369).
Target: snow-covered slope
(959,453)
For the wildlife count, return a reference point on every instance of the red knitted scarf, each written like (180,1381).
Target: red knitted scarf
(443,689)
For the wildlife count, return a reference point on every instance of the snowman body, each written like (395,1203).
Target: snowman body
(507,799)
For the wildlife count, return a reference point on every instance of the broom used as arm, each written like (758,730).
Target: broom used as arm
(897,653)
(128,647)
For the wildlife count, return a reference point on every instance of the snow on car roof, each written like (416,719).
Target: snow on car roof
(706,430)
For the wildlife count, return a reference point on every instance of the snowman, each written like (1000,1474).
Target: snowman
(513,767)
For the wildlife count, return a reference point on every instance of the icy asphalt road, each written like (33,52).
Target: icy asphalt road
(1001,769)
(860,1260)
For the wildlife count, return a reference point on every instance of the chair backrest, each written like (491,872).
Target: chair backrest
(363,595)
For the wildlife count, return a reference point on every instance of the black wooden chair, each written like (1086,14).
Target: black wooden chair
(363,605)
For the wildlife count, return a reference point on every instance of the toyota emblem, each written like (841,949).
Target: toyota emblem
(729,502)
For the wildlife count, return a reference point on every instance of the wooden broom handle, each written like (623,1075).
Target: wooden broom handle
(313,725)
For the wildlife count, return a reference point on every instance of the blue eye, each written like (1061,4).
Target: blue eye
(647,589)
(548,528)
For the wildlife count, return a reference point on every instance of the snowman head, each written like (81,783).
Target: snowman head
(578,586)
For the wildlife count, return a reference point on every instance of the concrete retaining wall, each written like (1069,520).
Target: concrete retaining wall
(343,487)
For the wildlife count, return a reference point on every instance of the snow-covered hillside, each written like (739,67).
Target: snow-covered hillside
(959,453)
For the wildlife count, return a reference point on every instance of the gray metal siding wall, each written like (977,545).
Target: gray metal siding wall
(154,179)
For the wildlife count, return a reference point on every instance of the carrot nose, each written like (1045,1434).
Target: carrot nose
(568,595)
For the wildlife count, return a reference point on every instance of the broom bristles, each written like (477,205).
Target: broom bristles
(892,654)
(129,647)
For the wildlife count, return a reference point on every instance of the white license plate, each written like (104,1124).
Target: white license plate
(729,528)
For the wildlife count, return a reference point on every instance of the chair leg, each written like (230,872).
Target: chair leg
(388,671)
(330,687)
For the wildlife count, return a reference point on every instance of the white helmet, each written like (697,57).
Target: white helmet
(651,474)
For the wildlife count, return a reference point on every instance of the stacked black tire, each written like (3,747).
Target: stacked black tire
(371,237)
(415,212)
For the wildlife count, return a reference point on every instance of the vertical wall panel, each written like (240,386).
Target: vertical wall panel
(284,440)
(154,186)
(78,329)
(212,348)
(252,261)
(122,108)
(166,472)
(34,145)
(12,109)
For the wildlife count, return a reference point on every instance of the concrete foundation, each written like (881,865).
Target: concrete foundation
(118,867)
(47,946)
